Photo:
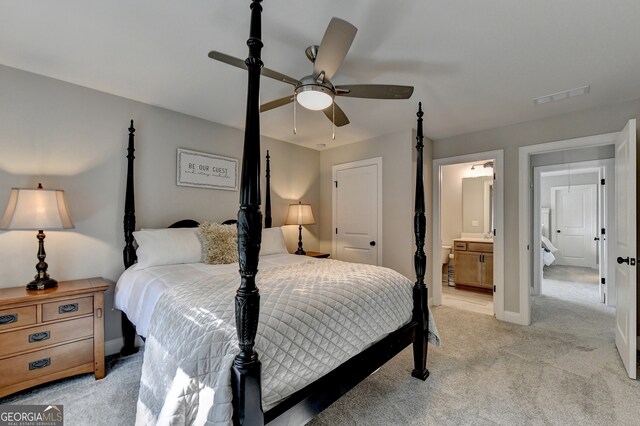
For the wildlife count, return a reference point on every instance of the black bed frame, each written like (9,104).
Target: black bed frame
(247,392)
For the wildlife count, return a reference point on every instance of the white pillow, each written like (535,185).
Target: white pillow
(272,242)
(548,245)
(167,247)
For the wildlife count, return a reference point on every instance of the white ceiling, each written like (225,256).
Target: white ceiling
(474,64)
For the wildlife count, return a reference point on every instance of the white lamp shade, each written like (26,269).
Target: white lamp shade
(300,214)
(314,100)
(36,209)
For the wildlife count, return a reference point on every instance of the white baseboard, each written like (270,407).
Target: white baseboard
(514,317)
(113,346)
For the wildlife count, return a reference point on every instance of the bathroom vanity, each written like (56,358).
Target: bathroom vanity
(473,263)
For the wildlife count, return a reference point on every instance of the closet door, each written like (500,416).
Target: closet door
(357,206)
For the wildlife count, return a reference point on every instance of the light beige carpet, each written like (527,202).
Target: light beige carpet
(564,369)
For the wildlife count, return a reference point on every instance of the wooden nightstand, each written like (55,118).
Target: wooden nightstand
(50,334)
(318,254)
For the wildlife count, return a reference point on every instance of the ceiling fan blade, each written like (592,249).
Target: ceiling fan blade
(279,76)
(335,44)
(239,63)
(276,103)
(341,117)
(227,59)
(375,91)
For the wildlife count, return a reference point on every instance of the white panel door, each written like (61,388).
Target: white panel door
(356,213)
(574,225)
(625,190)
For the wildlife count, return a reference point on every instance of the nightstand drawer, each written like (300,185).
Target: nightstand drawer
(55,333)
(45,362)
(45,335)
(17,317)
(66,308)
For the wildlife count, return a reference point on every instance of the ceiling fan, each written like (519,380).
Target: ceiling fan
(316,91)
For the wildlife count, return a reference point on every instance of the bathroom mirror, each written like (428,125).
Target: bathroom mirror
(477,205)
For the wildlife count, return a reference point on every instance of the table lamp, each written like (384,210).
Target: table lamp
(37,209)
(300,214)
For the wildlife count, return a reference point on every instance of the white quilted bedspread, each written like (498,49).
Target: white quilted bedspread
(313,317)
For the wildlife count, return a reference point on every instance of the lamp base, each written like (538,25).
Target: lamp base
(42,284)
(300,249)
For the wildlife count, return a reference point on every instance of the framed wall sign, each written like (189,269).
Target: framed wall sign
(204,170)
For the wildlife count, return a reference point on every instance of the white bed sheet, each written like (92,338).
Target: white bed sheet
(314,316)
(137,292)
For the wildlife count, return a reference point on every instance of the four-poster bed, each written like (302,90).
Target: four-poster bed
(246,376)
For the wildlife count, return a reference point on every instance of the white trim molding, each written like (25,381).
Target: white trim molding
(525,207)
(514,317)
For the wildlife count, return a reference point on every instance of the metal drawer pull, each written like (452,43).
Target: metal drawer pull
(41,363)
(39,337)
(8,319)
(65,309)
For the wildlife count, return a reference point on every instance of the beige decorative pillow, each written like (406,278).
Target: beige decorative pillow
(219,243)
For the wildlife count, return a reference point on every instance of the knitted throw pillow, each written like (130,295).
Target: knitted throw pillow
(219,243)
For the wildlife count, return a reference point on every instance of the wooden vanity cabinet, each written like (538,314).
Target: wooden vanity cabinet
(473,264)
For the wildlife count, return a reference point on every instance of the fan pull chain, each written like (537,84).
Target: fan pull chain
(333,121)
(295,131)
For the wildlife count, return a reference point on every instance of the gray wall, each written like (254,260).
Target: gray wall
(451,202)
(73,138)
(567,126)
(398,181)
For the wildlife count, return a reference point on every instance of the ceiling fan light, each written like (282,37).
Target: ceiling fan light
(315,98)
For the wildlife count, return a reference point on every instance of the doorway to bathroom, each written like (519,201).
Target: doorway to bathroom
(468,228)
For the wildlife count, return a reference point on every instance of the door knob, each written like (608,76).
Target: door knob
(620,260)
(558,231)
(372,243)
(596,239)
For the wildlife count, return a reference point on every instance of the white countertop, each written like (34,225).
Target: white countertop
(475,240)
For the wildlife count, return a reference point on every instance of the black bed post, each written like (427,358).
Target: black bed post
(245,373)
(420,295)
(129,252)
(267,202)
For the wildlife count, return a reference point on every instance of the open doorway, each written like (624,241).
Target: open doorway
(573,202)
(624,234)
(468,232)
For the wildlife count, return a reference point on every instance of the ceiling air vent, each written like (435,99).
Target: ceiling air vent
(562,95)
